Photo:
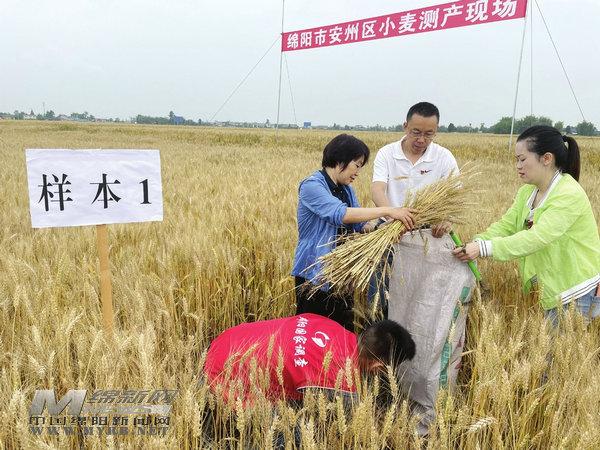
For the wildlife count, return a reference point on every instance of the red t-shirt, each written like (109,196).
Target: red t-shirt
(280,356)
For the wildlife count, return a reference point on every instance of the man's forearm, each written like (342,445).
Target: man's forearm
(379,195)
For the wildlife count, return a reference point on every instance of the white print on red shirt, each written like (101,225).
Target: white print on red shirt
(299,341)
(319,340)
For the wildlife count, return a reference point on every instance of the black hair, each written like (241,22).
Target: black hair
(387,341)
(542,139)
(424,109)
(343,149)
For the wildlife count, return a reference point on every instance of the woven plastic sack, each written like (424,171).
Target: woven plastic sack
(429,295)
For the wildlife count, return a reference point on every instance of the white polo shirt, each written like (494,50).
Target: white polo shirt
(394,168)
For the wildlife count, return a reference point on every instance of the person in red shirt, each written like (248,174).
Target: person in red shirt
(280,358)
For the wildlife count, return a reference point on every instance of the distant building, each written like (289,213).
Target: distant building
(178,120)
(307,125)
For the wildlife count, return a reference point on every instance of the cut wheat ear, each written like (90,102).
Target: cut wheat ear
(352,263)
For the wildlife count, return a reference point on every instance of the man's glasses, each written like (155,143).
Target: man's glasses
(418,134)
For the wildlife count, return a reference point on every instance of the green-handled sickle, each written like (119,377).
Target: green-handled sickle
(471,264)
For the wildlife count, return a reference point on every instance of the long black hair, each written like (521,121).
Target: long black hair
(542,139)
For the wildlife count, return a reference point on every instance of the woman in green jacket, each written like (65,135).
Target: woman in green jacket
(550,227)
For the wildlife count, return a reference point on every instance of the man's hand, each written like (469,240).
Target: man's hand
(467,252)
(440,229)
(369,226)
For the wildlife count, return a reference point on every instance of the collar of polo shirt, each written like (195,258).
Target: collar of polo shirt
(425,157)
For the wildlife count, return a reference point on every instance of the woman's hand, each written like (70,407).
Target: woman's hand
(404,215)
(467,252)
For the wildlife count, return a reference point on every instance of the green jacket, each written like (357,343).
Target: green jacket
(561,249)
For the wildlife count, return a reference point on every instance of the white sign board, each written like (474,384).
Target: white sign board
(92,187)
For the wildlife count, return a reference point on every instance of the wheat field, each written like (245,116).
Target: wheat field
(222,256)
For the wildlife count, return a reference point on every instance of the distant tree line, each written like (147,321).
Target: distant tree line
(171,119)
(503,126)
(51,115)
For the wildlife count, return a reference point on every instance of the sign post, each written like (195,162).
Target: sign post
(94,187)
(105,282)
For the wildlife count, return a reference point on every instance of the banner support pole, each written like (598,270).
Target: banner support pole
(105,282)
(280,69)
(531,49)
(512,124)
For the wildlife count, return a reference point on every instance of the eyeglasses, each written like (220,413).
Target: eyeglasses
(429,135)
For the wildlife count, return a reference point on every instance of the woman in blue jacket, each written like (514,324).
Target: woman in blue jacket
(327,209)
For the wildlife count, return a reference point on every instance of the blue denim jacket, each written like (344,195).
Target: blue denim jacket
(319,216)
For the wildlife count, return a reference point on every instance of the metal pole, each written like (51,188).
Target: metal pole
(280,68)
(559,58)
(512,125)
(531,45)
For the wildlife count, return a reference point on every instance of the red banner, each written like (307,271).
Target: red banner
(440,17)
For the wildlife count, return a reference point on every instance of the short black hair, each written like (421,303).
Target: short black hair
(343,149)
(387,341)
(424,109)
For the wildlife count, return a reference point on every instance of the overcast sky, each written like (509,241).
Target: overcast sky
(118,58)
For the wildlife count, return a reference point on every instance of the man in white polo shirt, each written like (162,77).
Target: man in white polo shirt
(412,162)
(406,166)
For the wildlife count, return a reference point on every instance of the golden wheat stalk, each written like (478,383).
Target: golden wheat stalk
(350,266)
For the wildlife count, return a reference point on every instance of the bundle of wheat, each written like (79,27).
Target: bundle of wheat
(352,263)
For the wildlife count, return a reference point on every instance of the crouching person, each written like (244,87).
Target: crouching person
(281,358)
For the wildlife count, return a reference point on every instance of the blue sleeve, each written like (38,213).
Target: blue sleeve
(319,200)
